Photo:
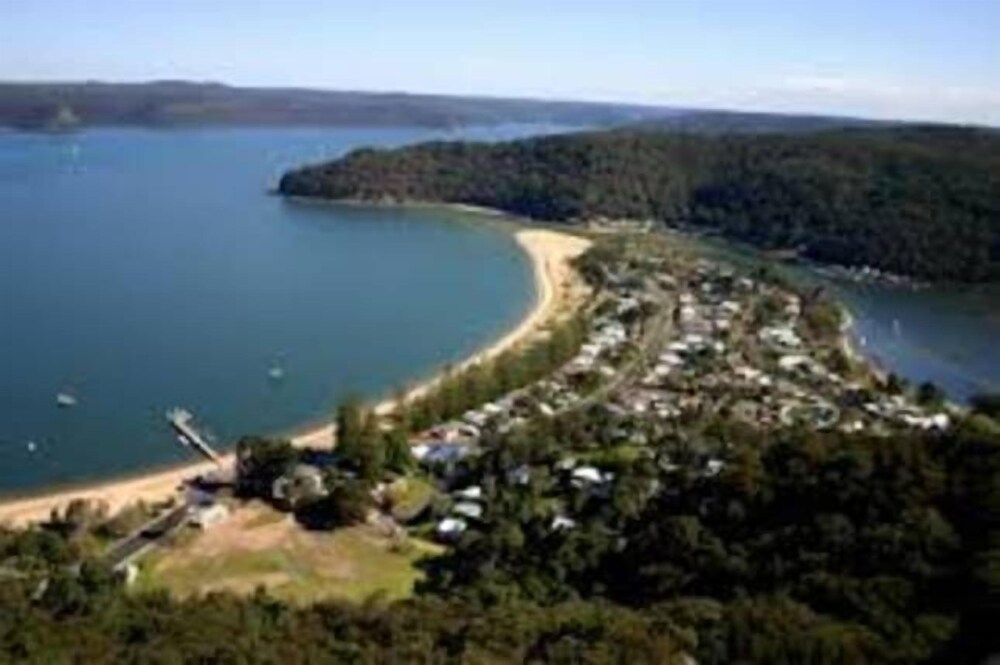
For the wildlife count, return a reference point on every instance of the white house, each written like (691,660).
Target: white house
(205,517)
(450,528)
(562,523)
(472,493)
(468,509)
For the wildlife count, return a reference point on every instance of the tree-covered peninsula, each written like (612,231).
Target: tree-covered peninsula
(920,201)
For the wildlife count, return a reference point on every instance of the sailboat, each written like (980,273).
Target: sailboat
(276,373)
(66,400)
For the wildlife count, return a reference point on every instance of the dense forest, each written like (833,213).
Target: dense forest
(809,548)
(920,201)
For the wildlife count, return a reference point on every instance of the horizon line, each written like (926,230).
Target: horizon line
(668,107)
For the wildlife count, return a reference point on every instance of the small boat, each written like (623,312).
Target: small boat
(65,400)
(276,373)
(31,446)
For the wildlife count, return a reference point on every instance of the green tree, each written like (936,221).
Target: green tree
(347,502)
(929,394)
(261,461)
(397,451)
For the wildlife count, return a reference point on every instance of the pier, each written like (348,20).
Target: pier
(181,420)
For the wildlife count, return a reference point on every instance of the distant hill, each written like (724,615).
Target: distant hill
(44,106)
(921,201)
(165,104)
(703,121)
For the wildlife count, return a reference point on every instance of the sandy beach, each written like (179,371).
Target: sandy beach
(559,290)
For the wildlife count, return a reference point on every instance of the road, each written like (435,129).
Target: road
(146,537)
(652,339)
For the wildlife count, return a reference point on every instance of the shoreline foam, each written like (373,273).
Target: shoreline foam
(550,253)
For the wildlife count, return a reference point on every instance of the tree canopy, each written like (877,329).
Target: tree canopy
(921,201)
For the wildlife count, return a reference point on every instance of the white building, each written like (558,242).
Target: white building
(205,517)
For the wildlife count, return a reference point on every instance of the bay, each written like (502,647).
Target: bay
(141,270)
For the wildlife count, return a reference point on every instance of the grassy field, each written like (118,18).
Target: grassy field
(259,546)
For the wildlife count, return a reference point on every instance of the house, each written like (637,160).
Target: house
(420,451)
(940,421)
(206,516)
(562,523)
(713,467)
(450,528)
(747,373)
(694,341)
(780,336)
(491,409)
(566,464)
(455,430)
(304,482)
(671,358)
(475,418)
(468,509)
(472,493)
(790,362)
(520,475)
(587,474)
(441,453)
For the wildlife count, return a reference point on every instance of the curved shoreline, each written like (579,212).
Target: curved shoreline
(550,253)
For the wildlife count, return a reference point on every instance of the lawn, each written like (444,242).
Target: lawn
(409,496)
(261,547)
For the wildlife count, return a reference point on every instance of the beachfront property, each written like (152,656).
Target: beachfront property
(207,516)
(662,348)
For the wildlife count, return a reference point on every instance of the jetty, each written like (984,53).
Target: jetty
(183,421)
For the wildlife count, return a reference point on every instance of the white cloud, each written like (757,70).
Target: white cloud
(888,98)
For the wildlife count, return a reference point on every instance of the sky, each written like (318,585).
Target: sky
(911,59)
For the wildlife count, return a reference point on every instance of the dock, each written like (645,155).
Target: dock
(182,421)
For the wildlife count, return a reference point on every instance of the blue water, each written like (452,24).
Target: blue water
(141,270)
(945,334)
(949,335)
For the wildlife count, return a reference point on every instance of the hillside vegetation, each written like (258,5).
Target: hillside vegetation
(809,549)
(922,201)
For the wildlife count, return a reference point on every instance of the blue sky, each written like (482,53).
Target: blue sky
(919,59)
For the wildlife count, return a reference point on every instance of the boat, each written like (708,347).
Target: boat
(31,446)
(66,400)
(276,373)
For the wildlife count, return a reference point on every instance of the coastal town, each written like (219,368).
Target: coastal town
(669,345)
(500,333)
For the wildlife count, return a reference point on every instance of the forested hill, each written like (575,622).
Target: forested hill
(922,201)
(63,106)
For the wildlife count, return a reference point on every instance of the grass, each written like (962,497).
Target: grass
(261,547)
(409,496)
